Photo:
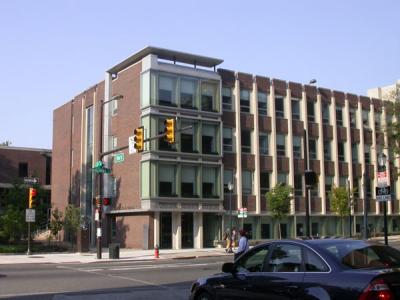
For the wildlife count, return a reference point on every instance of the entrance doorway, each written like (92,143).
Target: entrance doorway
(166,230)
(211,229)
(187,230)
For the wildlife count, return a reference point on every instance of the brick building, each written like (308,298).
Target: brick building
(245,129)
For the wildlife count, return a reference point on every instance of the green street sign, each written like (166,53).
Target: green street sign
(99,164)
(119,158)
(101,170)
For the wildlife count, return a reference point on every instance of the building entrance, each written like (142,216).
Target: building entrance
(211,229)
(187,230)
(165,230)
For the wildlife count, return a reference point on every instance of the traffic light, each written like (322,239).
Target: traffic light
(169,130)
(139,139)
(32,197)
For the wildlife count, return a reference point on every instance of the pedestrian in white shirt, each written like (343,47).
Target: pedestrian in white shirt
(243,244)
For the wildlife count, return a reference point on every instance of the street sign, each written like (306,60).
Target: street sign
(30,215)
(242,212)
(119,157)
(382,179)
(31,180)
(131,141)
(99,168)
(383,194)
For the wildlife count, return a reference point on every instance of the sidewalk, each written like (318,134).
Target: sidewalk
(124,254)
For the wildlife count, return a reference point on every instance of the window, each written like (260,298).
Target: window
(166,90)
(114,107)
(114,142)
(327,150)
(365,118)
(368,186)
(244,101)
(208,92)
(262,103)
(356,188)
(23,169)
(282,178)
(339,116)
(280,145)
(285,258)
(228,141)
(297,147)
(314,263)
(210,183)
(353,118)
(310,111)
(264,183)
(279,107)
(341,151)
(298,185)
(188,184)
(247,182)
(209,133)
(325,113)
(377,121)
(253,261)
(166,178)
(328,187)
(228,177)
(227,98)
(342,181)
(367,154)
(354,153)
(295,109)
(265,231)
(187,138)
(188,93)
(246,141)
(312,148)
(263,140)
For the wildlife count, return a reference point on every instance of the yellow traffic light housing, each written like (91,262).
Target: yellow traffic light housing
(169,130)
(139,139)
(32,197)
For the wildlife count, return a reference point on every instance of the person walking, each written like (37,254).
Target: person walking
(233,238)
(243,244)
(227,239)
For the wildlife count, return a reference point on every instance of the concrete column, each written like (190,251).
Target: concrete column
(334,144)
(386,152)
(349,157)
(238,184)
(107,132)
(198,229)
(361,149)
(374,150)
(176,230)
(290,146)
(256,140)
(274,177)
(157,228)
(318,119)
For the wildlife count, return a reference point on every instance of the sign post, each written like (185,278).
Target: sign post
(383,190)
(29,218)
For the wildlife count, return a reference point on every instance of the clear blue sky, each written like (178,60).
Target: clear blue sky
(51,50)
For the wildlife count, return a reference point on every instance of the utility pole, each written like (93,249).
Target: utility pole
(365,231)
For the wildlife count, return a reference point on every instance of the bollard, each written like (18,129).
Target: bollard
(156,252)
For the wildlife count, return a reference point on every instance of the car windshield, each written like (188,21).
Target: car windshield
(360,255)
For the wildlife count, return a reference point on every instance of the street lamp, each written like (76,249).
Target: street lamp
(382,168)
(230,188)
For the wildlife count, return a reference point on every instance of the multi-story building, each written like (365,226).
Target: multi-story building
(244,129)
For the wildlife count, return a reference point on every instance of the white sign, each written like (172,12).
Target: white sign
(96,215)
(131,141)
(30,215)
(98,232)
(382,179)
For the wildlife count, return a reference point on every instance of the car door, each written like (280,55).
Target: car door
(282,276)
(236,286)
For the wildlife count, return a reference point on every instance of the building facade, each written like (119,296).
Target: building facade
(245,129)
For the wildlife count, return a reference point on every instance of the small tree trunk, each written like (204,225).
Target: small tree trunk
(279,230)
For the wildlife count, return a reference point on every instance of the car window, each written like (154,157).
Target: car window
(372,257)
(314,263)
(285,258)
(253,261)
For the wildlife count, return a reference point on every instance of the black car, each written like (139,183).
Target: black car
(307,269)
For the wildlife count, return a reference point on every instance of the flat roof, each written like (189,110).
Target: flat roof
(167,54)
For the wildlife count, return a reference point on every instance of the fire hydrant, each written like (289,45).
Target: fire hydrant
(156,252)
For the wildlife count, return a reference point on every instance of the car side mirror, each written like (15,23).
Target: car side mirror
(228,267)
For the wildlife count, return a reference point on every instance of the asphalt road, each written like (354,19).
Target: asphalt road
(166,279)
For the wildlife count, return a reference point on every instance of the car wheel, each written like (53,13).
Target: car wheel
(204,296)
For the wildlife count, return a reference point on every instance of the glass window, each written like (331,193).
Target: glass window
(339,116)
(354,153)
(166,90)
(377,120)
(228,177)
(341,155)
(114,107)
(342,181)
(353,118)
(297,147)
(285,258)
(327,150)
(264,183)
(314,263)
(367,154)
(208,92)
(166,180)
(262,103)
(187,137)
(228,141)
(210,183)
(247,182)
(280,145)
(312,148)
(246,141)
(279,107)
(227,99)
(209,134)
(325,113)
(368,186)
(253,261)
(356,188)
(295,109)
(328,186)
(23,169)
(298,185)
(188,185)
(282,178)
(311,111)
(244,101)
(188,93)
(365,118)
(263,140)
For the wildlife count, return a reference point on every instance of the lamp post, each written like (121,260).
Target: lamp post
(230,188)
(382,168)
(365,231)
(350,205)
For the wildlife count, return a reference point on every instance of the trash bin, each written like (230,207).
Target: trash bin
(113,249)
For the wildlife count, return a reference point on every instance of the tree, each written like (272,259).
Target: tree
(279,202)
(339,199)
(56,223)
(72,220)
(393,126)
(6,143)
